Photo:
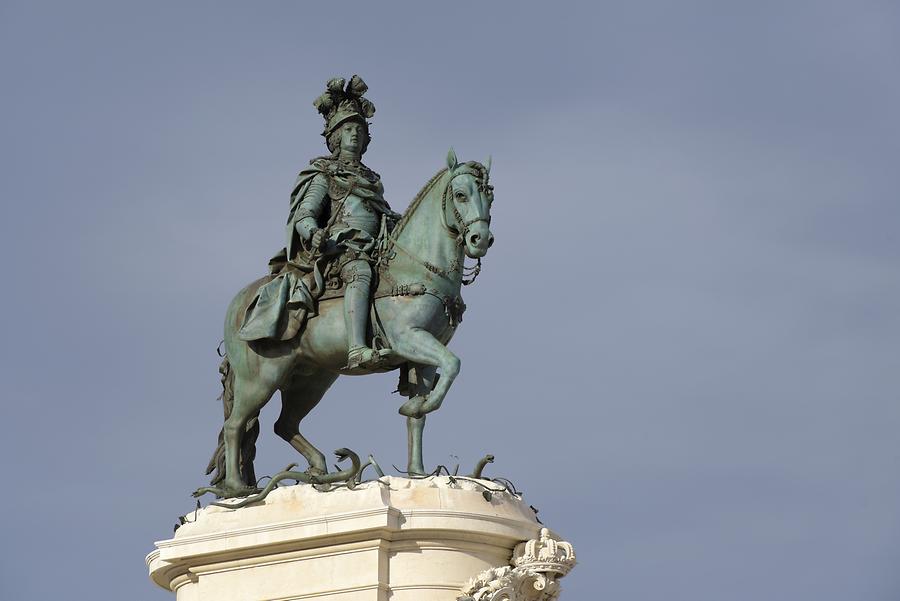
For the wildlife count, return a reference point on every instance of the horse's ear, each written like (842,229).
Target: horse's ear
(452,163)
(487,166)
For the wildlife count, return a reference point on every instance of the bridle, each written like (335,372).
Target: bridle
(459,233)
(462,230)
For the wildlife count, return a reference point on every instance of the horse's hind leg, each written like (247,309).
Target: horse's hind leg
(297,400)
(250,394)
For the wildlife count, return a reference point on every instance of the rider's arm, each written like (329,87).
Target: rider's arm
(312,206)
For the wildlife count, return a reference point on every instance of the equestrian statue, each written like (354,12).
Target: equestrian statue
(357,289)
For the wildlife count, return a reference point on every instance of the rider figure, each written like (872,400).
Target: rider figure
(337,209)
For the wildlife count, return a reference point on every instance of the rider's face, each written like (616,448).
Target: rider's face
(352,133)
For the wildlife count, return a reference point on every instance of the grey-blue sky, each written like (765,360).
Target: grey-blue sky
(704,193)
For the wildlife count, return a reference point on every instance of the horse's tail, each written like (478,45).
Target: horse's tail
(248,446)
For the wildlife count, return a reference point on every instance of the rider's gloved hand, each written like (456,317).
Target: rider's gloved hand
(317,240)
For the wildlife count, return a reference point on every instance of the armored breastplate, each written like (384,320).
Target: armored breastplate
(350,204)
(356,213)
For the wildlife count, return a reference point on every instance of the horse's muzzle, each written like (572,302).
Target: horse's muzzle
(478,240)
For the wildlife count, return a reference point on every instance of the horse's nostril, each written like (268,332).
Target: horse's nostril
(474,239)
(490,240)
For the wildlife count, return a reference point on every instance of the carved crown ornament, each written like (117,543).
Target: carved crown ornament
(533,574)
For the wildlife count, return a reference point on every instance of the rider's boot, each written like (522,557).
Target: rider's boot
(358,277)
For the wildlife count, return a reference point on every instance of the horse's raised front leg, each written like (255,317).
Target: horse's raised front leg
(420,346)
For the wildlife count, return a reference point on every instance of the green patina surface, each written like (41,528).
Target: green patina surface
(357,289)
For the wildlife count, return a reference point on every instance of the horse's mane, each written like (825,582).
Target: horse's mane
(408,213)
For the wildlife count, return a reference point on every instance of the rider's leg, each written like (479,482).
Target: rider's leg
(357,274)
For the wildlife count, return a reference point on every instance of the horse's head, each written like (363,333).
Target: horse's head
(470,196)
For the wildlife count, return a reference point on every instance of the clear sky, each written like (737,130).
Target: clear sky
(684,346)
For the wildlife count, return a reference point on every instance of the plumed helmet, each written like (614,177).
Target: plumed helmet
(343,101)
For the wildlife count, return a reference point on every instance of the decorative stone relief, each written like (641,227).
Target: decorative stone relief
(533,574)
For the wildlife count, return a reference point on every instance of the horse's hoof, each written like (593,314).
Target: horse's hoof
(413,407)
(314,475)
(233,492)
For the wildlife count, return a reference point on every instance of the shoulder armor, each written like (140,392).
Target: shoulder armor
(321,162)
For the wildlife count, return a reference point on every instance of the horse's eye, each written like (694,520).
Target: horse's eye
(460,196)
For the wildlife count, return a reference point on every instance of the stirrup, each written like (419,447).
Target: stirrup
(364,357)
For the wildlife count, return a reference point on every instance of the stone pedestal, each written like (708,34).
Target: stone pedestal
(397,539)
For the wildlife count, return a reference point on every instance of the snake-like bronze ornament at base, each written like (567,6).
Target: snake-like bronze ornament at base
(346,476)
(482,463)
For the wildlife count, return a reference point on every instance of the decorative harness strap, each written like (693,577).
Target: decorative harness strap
(429,266)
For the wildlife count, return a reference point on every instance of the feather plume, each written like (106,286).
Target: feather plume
(368,109)
(357,87)
(336,84)
(324,103)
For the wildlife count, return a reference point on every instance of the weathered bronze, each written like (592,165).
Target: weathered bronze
(482,463)
(358,289)
(347,476)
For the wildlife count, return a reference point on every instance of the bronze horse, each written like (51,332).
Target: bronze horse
(416,309)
